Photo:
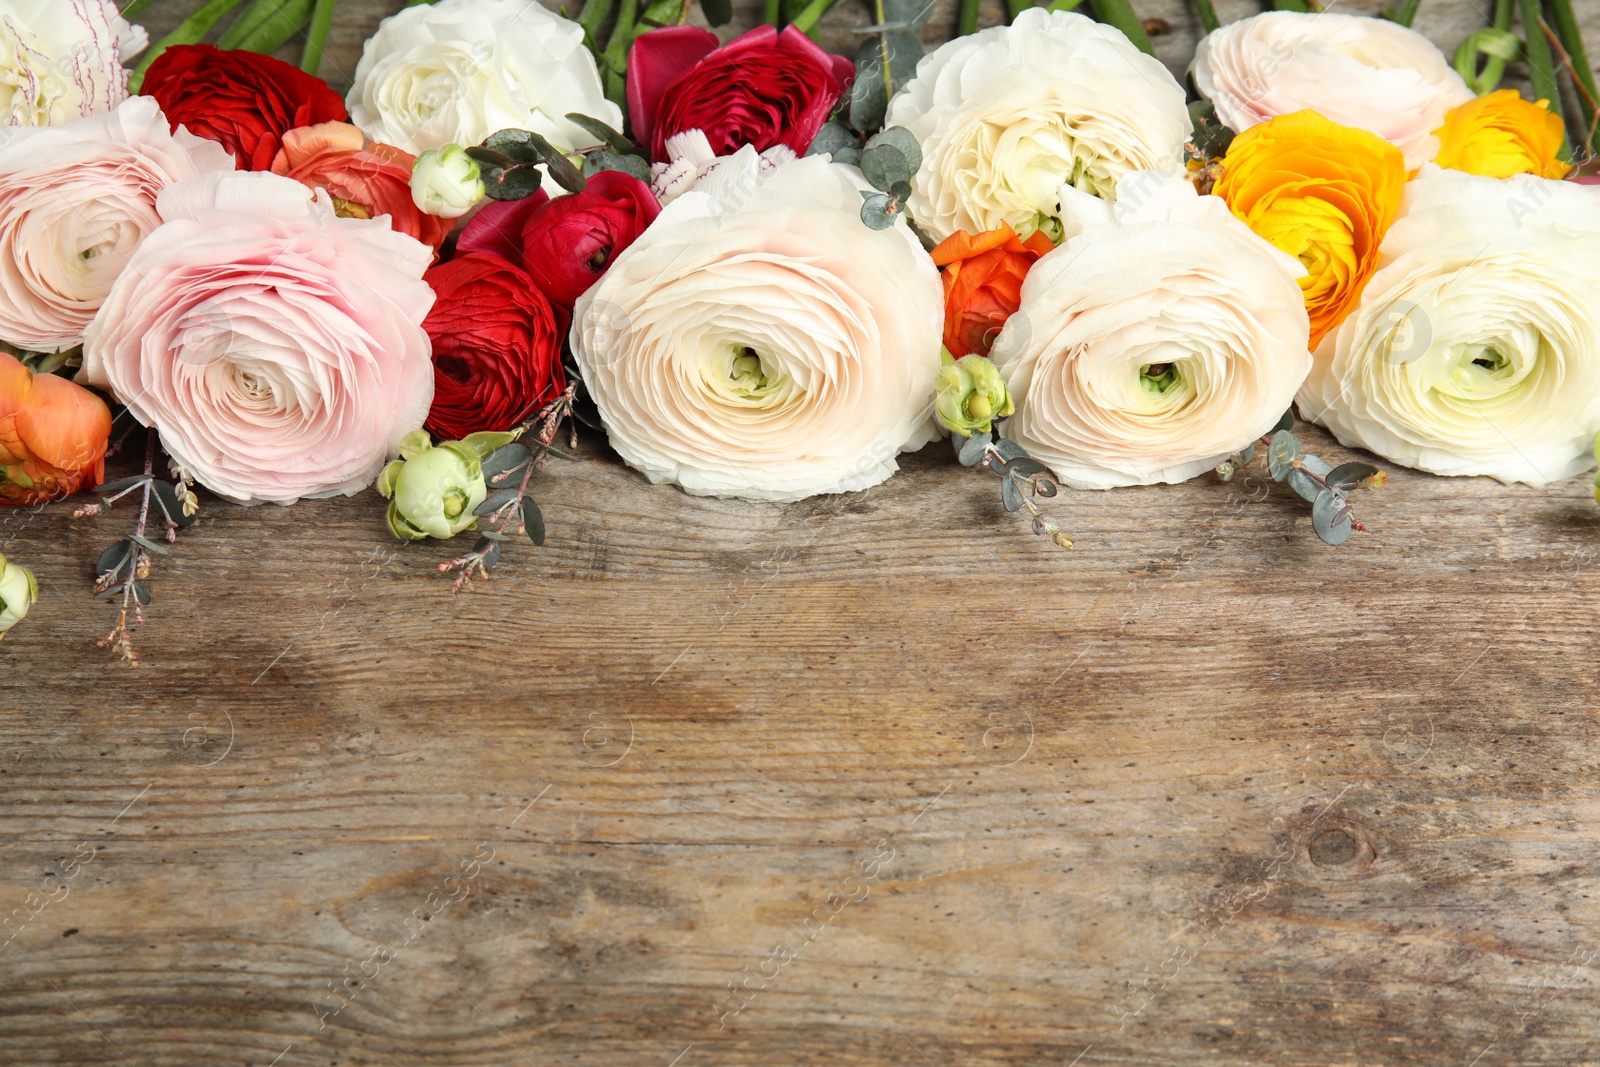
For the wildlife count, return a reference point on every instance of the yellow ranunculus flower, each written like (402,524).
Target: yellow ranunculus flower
(1501,134)
(1322,192)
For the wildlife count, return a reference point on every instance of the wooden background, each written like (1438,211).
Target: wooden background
(1201,791)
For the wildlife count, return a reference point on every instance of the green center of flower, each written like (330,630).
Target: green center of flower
(1159,378)
(750,376)
(455,502)
(1483,369)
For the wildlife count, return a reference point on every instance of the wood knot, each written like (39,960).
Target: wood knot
(1333,848)
(1336,844)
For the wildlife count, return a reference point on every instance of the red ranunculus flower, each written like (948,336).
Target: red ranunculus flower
(565,243)
(243,101)
(763,88)
(496,346)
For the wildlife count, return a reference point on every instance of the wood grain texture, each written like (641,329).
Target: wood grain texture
(1199,791)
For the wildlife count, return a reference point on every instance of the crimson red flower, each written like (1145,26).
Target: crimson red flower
(244,101)
(496,346)
(763,88)
(565,243)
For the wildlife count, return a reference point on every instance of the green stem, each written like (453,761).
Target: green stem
(615,61)
(289,19)
(807,20)
(774,12)
(1063,5)
(1536,51)
(1208,15)
(1017,7)
(1408,12)
(1119,13)
(593,16)
(883,53)
(968,21)
(1571,37)
(1291,5)
(133,7)
(317,38)
(189,31)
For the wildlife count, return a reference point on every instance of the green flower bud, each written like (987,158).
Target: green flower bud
(446,182)
(433,491)
(18,591)
(971,395)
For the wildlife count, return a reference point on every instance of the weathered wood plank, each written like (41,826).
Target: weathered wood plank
(1200,790)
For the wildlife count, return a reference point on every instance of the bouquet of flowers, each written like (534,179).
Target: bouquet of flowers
(764,271)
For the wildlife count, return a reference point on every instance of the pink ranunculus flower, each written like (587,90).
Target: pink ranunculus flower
(75,201)
(276,346)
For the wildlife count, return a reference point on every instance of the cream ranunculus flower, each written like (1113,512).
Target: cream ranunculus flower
(759,341)
(1006,115)
(62,60)
(1369,73)
(458,70)
(75,202)
(1160,337)
(1475,348)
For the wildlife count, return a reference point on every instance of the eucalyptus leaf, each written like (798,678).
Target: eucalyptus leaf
(113,488)
(1350,475)
(973,449)
(1316,465)
(1331,518)
(167,497)
(878,212)
(1211,138)
(1010,495)
(1286,422)
(495,501)
(149,545)
(883,165)
(505,460)
(141,593)
(512,183)
(1282,452)
(601,132)
(1045,487)
(491,553)
(488,157)
(1303,484)
(605,159)
(520,146)
(1026,466)
(533,521)
(1009,449)
(902,141)
(114,558)
(833,138)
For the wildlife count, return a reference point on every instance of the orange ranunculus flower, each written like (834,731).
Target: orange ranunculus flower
(364,180)
(1322,192)
(1501,134)
(52,435)
(983,284)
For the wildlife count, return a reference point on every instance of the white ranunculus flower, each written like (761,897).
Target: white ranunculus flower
(760,341)
(1006,115)
(1475,348)
(1160,337)
(62,60)
(1369,73)
(458,70)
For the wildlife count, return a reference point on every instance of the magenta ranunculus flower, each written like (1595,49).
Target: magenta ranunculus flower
(762,88)
(277,347)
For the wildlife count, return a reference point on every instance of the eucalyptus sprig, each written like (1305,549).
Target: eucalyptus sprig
(509,511)
(887,161)
(1326,486)
(1022,478)
(124,567)
(510,161)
